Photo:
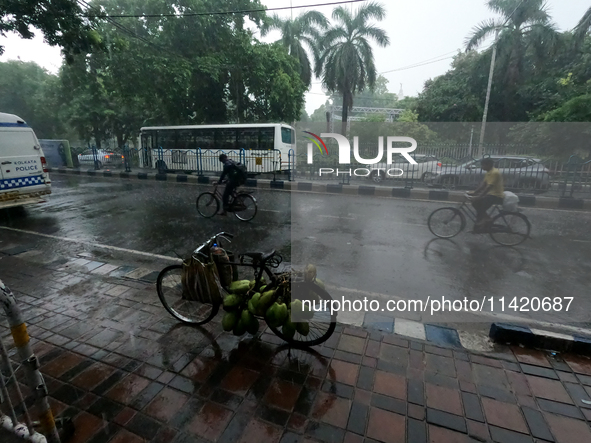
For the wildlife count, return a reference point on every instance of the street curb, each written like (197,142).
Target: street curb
(539,339)
(530,201)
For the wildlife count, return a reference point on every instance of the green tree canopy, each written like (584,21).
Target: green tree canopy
(346,62)
(178,70)
(30,92)
(583,27)
(302,31)
(454,96)
(524,26)
(60,21)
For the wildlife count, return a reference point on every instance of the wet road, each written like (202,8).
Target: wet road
(361,245)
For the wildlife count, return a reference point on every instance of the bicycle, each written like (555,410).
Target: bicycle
(242,204)
(507,228)
(170,291)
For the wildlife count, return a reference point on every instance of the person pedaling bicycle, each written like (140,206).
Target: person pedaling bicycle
(236,173)
(489,193)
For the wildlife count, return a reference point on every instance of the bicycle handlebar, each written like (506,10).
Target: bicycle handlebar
(214,238)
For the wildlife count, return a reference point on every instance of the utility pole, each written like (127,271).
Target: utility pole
(490,76)
(471,137)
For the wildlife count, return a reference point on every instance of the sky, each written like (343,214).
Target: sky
(419,30)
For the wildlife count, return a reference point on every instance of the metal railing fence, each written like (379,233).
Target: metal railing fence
(450,167)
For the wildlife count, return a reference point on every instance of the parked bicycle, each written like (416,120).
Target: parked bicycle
(171,292)
(507,228)
(242,204)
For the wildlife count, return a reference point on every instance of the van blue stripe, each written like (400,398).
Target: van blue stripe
(21,182)
(13,125)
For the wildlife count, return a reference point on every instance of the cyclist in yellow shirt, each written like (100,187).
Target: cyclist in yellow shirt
(490,192)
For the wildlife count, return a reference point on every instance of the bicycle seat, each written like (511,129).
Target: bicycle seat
(260,255)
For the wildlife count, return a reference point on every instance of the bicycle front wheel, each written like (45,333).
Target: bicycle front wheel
(446,222)
(170,291)
(245,207)
(510,228)
(321,325)
(207,204)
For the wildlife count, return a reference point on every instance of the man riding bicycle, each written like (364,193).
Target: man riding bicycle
(234,180)
(489,193)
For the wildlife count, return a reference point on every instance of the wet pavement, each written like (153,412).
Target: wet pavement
(361,246)
(125,371)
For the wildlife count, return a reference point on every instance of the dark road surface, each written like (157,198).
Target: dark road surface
(361,245)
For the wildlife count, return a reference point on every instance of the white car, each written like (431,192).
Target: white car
(402,169)
(103,158)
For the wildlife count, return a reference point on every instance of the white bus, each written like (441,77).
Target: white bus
(262,147)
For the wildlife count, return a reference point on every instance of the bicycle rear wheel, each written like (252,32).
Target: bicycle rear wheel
(207,204)
(446,222)
(322,324)
(510,228)
(244,207)
(170,291)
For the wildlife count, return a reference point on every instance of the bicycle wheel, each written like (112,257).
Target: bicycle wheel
(207,204)
(244,207)
(170,291)
(510,228)
(446,222)
(322,324)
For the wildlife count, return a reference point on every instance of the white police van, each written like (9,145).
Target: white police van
(23,170)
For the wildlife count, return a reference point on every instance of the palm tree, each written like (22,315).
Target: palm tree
(297,32)
(525,25)
(583,28)
(346,63)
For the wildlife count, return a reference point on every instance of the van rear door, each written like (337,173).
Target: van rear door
(20,160)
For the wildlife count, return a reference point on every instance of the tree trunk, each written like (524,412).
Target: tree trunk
(97,140)
(345,114)
(120,140)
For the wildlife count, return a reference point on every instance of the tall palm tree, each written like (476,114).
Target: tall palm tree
(304,29)
(346,63)
(524,25)
(583,27)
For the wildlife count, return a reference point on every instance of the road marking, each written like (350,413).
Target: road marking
(407,224)
(582,241)
(336,216)
(496,315)
(410,328)
(96,245)
(270,210)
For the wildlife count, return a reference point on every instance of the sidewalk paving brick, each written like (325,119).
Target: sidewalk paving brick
(125,371)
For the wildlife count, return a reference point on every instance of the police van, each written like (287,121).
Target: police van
(23,170)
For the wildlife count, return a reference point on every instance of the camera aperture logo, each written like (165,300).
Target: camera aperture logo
(344,149)
(316,143)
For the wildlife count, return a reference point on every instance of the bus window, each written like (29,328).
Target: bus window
(226,139)
(185,140)
(204,138)
(286,136)
(267,140)
(248,138)
(166,139)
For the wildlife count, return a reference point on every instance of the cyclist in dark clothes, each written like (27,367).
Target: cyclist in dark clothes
(230,170)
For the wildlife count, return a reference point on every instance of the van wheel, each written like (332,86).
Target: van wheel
(98,165)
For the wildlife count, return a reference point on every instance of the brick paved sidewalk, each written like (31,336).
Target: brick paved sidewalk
(126,371)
